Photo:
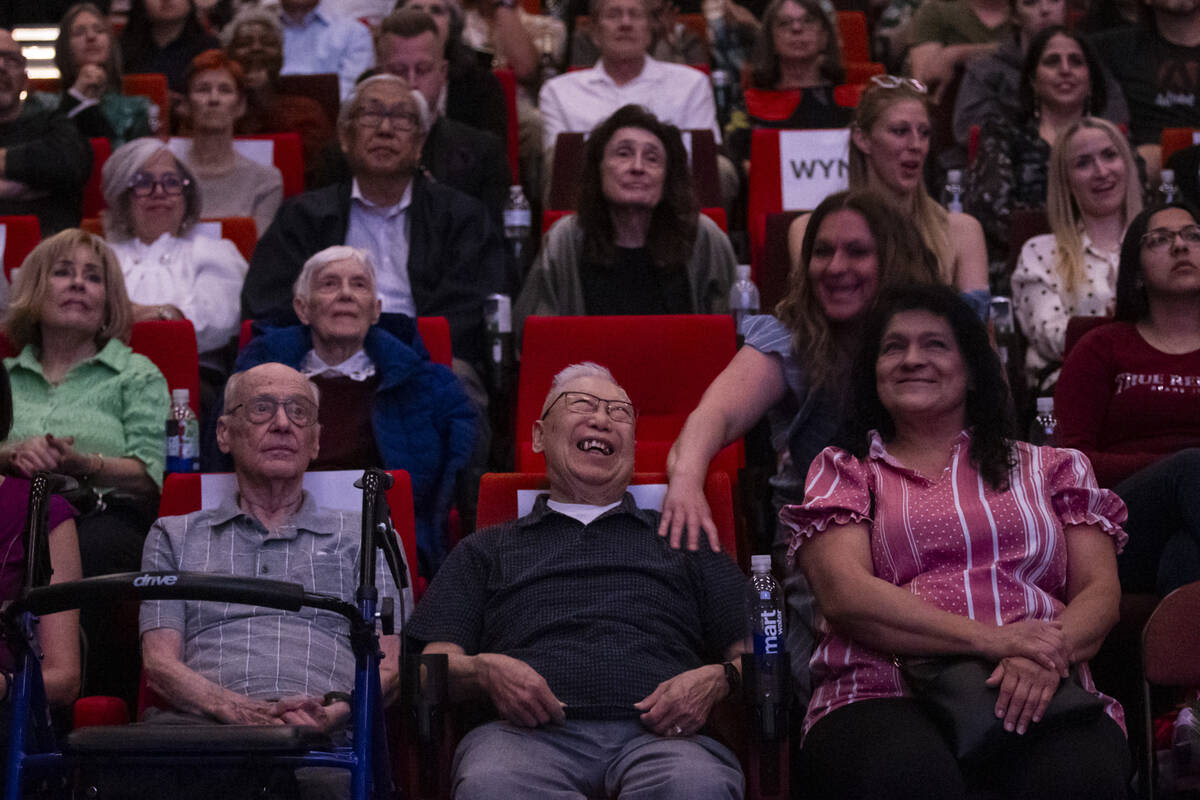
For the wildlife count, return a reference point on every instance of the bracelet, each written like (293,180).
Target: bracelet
(99,465)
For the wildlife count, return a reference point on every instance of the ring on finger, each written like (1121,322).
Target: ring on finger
(676,731)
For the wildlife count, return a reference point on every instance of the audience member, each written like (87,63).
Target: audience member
(436,252)
(57,634)
(294,669)
(1129,398)
(89,65)
(670,39)
(496,33)
(315,41)
(382,404)
(616,700)
(991,86)
(906,567)
(229,184)
(254,39)
(795,370)
(172,270)
(164,36)
(1072,272)
(1157,64)
(87,406)
(889,142)
(638,244)
(947,36)
(797,49)
(473,95)
(44,162)
(1061,81)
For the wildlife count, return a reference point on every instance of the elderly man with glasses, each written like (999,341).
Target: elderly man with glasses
(44,163)
(436,251)
(601,649)
(234,664)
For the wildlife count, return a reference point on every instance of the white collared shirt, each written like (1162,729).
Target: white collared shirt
(578,101)
(357,367)
(327,42)
(583,512)
(383,230)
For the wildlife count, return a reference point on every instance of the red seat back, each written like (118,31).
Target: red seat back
(508,82)
(22,233)
(171,345)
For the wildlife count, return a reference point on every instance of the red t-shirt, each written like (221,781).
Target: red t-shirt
(1126,404)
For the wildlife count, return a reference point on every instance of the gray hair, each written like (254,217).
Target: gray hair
(119,169)
(584,369)
(247,16)
(234,384)
(316,262)
(352,103)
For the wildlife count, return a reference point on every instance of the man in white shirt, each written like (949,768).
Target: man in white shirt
(316,40)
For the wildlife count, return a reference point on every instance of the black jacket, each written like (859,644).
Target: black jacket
(46,153)
(455,257)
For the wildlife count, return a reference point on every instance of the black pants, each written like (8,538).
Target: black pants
(1164,516)
(891,749)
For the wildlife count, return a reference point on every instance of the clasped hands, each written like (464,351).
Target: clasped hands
(295,710)
(50,453)
(678,706)
(1031,658)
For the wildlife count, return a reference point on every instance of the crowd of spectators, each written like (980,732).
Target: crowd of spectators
(418,122)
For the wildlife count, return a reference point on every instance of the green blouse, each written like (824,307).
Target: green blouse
(114,403)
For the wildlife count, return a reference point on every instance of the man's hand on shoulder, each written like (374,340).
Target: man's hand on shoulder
(520,694)
(680,706)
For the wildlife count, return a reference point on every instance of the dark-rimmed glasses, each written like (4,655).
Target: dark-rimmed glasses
(620,411)
(1159,238)
(896,81)
(143,184)
(402,119)
(301,411)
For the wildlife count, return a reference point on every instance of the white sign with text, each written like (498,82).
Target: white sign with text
(813,165)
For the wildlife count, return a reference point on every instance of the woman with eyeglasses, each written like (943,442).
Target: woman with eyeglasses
(1093,191)
(1129,398)
(87,406)
(889,142)
(172,270)
(230,184)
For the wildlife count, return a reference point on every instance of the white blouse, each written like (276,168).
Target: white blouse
(1042,304)
(199,275)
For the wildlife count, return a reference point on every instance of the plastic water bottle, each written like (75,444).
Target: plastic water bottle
(517,224)
(1003,328)
(954,189)
(497,316)
(1044,429)
(183,434)
(766,615)
(722,83)
(1168,189)
(743,297)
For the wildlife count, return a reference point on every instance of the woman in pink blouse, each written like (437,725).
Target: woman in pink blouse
(933,534)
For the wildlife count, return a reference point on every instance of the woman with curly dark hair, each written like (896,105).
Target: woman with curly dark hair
(638,245)
(934,541)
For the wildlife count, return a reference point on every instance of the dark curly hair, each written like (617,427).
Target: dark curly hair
(1133,304)
(988,404)
(1097,98)
(672,231)
(764,61)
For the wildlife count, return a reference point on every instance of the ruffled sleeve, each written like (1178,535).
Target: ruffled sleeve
(835,493)
(1078,500)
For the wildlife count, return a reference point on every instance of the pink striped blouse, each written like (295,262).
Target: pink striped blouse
(995,557)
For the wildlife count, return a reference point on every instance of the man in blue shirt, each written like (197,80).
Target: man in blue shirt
(315,40)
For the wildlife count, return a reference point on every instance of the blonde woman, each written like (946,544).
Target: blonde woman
(1092,193)
(889,142)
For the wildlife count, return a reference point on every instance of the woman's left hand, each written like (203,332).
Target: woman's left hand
(1026,689)
(70,461)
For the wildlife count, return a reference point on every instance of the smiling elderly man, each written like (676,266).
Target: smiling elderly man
(382,403)
(242,664)
(602,649)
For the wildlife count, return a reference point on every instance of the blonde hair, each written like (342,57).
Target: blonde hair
(24,317)
(932,221)
(1063,211)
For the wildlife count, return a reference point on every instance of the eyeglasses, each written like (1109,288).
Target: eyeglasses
(12,60)
(402,119)
(300,411)
(583,403)
(1159,238)
(896,81)
(143,183)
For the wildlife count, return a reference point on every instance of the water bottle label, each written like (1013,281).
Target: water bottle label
(516,218)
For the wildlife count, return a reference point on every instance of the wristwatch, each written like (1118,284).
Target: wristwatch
(733,678)
(333,697)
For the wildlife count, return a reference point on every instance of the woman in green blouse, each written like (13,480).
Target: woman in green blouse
(84,404)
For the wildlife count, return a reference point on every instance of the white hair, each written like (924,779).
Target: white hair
(250,15)
(351,104)
(584,369)
(125,162)
(234,385)
(319,260)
